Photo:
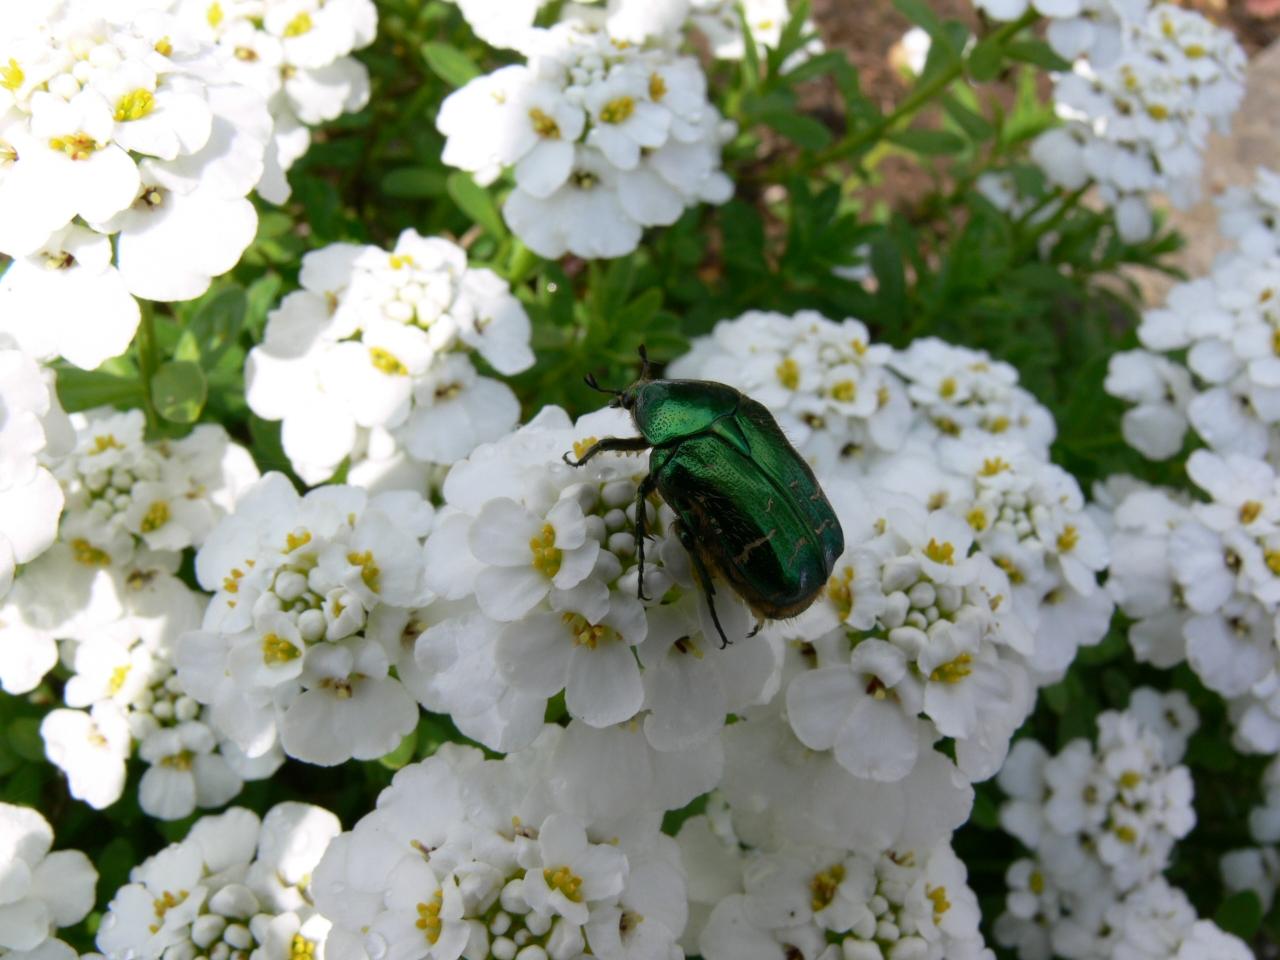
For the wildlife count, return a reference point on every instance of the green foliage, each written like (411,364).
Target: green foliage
(1044,289)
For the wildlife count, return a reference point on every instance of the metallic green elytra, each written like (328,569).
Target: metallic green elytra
(748,506)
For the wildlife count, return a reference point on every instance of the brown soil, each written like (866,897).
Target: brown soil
(867,30)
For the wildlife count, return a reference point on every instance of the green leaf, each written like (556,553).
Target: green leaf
(476,203)
(403,754)
(920,13)
(928,142)
(1241,914)
(449,64)
(24,737)
(970,121)
(986,60)
(413,183)
(1037,53)
(886,264)
(217,323)
(798,128)
(84,389)
(815,67)
(178,391)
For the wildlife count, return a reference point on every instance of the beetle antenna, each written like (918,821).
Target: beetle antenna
(644,363)
(590,380)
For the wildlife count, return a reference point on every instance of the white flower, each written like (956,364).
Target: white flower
(91,748)
(39,891)
(373,352)
(606,133)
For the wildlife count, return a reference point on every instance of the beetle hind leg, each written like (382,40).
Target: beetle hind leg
(647,486)
(704,579)
(756,629)
(617,444)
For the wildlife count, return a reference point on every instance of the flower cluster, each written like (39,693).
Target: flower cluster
(542,563)
(471,857)
(130,509)
(41,891)
(297,56)
(1257,868)
(1139,122)
(970,567)
(605,137)
(369,362)
(308,619)
(33,432)
(125,162)
(104,599)
(509,23)
(1101,824)
(234,886)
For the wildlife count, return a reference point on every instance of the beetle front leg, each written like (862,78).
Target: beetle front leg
(704,579)
(618,444)
(647,486)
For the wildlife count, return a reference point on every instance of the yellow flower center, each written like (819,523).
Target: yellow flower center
(1195,51)
(399,261)
(580,447)
(292,541)
(369,570)
(546,558)
(657,87)
(585,633)
(11,76)
(940,902)
(164,46)
(1125,834)
(953,671)
(104,442)
(617,110)
(300,948)
(157,516)
(941,552)
(214,14)
(247,55)
(788,372)
(1158,111)
(77,146)
(1011,570)
(977,518)
(947,388)
(846,391)
(298,25)
(118,676)
(387,362)
(992,466)
(997,425)
(1068,538)
(840,590)
(86,553)
(1130,779)
(276,649)
(1036,882)
(178,761)
(134,105)
(544,125)
(823,886)
(429,921)
(564,880)
(1249,511)
(1273,561)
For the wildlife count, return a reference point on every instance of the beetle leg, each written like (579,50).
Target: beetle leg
(755,629)
(620,444)
(704,579)
(647,486)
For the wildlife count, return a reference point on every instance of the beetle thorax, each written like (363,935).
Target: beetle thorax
(670,410)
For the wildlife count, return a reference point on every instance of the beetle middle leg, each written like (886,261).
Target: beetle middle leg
(703,576)
(647,486)
(617,444)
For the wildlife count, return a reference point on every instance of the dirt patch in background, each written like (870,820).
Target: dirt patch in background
(867,30)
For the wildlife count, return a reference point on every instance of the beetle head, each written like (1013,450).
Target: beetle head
(626,399)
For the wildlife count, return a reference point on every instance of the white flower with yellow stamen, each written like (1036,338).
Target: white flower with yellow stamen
(376,348)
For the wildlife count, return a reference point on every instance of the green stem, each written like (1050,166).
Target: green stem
(148,362)
(919,97)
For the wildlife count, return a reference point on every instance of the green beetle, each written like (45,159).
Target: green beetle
(748,506)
